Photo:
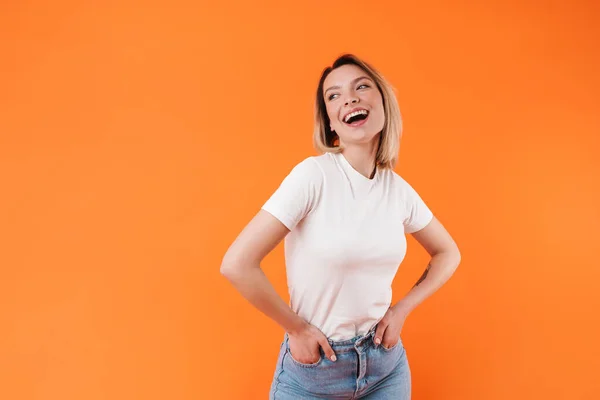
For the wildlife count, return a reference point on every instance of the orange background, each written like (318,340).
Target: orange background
(138,138)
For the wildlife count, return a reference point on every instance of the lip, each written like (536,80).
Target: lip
(353,110)
(358,124)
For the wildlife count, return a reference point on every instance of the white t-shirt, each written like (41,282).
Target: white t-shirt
(346,241)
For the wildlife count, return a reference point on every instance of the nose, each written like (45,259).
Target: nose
(351,100)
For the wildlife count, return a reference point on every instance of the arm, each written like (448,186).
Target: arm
(241,266)
(445,258)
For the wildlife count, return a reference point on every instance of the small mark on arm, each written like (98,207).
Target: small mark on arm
(422,278)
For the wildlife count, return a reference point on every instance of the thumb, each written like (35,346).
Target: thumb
(379,332)
(327,348)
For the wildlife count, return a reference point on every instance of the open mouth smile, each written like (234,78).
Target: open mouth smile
(356,117)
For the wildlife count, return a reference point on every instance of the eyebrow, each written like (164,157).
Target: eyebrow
(354,80)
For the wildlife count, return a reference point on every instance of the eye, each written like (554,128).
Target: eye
(359,86)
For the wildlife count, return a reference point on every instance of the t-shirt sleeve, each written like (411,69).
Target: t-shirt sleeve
(417,214)
(297,195)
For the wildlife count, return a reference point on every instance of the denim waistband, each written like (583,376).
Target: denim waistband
(359,341)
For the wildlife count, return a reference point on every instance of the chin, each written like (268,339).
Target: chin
(359,137)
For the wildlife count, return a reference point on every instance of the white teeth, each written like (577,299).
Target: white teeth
(365,112)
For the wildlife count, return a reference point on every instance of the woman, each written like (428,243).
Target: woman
(344,215)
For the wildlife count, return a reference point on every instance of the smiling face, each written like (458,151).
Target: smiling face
(354,105)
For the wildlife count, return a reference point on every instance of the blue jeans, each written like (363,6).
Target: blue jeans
(362,371)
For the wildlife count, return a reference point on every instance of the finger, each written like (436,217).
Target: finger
(381,326)
(329,353)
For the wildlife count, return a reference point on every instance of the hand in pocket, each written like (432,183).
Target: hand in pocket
(389,328)
(305,345)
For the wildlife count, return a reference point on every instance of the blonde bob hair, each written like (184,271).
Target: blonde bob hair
(326,140)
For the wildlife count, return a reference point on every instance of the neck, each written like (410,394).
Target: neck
(362,158)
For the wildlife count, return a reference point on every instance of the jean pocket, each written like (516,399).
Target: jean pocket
(303,365)
(394,347)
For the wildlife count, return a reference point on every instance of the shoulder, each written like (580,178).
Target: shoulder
(398,180)
(402,185)
(310,167)
(315,166)
(309,171)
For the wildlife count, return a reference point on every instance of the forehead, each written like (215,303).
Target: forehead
(343,75)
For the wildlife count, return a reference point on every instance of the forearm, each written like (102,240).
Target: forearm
(440,269)
(255,287)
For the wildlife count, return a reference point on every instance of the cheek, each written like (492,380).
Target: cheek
(379,107)
(381,112)
(376,100)
(332,116)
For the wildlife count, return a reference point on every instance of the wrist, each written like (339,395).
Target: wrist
(401,309)
(298,326)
